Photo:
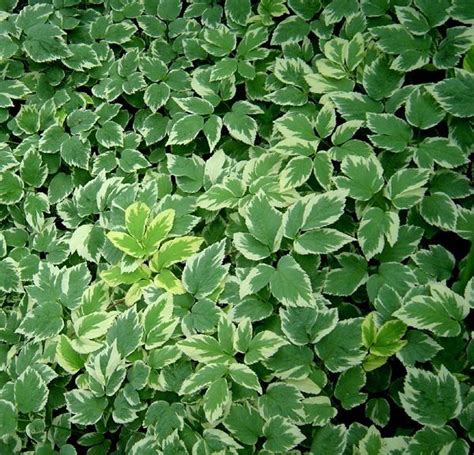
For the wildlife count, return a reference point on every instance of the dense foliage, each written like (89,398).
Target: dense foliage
(236,227)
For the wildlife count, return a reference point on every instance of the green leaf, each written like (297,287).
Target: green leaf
(32,170)
(296,125)
(388,339)
(158,229)
(136,217)
(347,279)
(241,127)
(11,188)
(203,378)
(378,410)
(120,33)
(436,12)
(398,276)
(290,283)
(363,177)
(330,439)
(287,96)
(8,418)
(319,84)
(337,9)
(434,440)
(154,128)
(238,11)
(291,30)
(323,209)
(113,276)
(354,51)
(372,441)
(281,434)
(164,418)
(219,41)
(83,57)
(440,312)
(185,129)
(325,121)
(439,210)
(323,169)
(303,325)
(176,250)
(348,387)
(391,132)
(127,244)
(14,89)
(405,187)
(419,348)
(245,423)
(44,321)
(203,317)
(250,247)
(8,47)
(375,227)
(9,275)
(194,105)
(156,96)
(354,106)
(291,71)
(413,20)
(421,110)
(243,335)
(380,80)
(291,362)
(282,400)
(158,322)
(204,271)
(67,357)
(251,43)
(110,134)
(86,409)
(441,151)
(319,410)
(93,325)
(151,26)
(256,279)
(222,195)
(216,400)
(264,222)
(431,399)
(45,43)
(296,172)
(244,376)
(169,10)
(369,330)
(59,188)
(437,262)
(321,241)
(126,331)
(74,282)
(31,392)
(203,348)
(455,95)
(212,130)
(342,348)
(106,370)
(223,69)
(262,346)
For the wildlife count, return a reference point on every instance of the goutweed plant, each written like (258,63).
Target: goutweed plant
(236,227)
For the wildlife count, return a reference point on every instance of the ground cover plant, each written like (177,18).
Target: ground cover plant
(236,227)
